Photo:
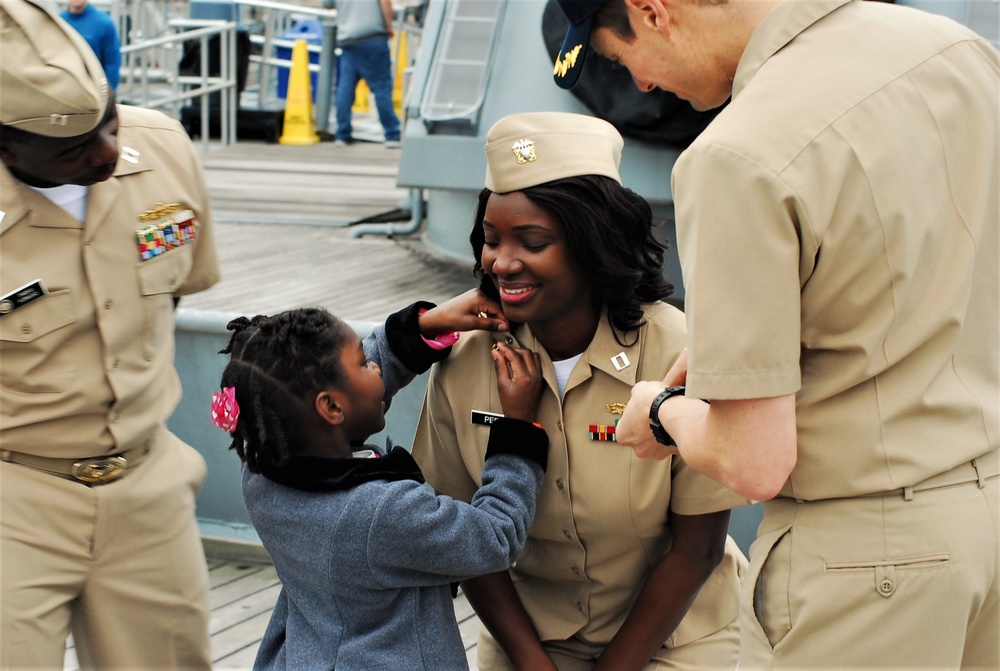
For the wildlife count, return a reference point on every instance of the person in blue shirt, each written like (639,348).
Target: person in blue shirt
(101,34)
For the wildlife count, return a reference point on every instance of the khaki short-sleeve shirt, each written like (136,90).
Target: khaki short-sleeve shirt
(837,228)
(87,369)
(601,521)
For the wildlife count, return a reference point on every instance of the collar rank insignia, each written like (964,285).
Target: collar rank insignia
(567,62)
(620,361)
(524,150)
(603,432)
(130,155)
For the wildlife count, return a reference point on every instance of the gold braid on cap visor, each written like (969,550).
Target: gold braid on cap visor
(566,63)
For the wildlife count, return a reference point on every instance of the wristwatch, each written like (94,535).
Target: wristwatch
(661,435)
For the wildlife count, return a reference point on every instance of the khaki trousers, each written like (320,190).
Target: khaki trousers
(120,565)
(716,651)
(888,582)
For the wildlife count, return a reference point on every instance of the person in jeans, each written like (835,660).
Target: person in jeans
(364,28)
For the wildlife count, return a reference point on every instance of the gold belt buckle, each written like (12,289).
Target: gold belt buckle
(100,469)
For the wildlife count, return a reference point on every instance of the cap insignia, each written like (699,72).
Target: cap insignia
(524,150)
(567,62)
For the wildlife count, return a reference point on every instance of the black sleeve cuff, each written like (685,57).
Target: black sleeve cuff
(402,330)
(520,438)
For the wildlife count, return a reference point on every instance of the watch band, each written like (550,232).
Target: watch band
(661,435)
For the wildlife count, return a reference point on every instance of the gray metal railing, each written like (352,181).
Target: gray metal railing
(138,89)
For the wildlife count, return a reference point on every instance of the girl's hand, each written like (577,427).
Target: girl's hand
(519,380)
(471,311)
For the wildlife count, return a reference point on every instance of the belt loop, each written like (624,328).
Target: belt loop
(980,478)
(907,493)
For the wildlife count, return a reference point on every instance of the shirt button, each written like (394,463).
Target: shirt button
(579,606)
(107,304)
(25,328)
(567,534)
(559,484)
(559,426)
(576,571)
(886,586)
(508,340)
(115,363)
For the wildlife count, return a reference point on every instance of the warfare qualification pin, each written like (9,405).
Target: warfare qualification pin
(524,150)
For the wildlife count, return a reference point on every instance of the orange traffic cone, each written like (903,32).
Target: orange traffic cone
(299,127)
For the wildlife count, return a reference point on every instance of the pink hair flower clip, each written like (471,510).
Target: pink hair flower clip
(225,409)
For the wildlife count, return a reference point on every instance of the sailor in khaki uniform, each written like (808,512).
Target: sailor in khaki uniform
(104,223)
(838,233)
(606,520)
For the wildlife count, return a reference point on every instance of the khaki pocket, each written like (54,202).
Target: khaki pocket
(34,357)
(765,585)
(159,278)
(885,573)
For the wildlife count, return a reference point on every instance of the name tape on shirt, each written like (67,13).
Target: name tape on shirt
(485,418)
(22,296)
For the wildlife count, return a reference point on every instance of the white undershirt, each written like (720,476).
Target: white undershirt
(563,369)
(70,197)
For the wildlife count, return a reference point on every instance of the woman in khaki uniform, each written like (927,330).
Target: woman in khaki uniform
(628,565)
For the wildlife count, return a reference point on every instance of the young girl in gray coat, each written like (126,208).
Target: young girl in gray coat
(365,552)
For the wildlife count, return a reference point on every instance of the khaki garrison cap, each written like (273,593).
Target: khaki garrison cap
(51,83)
(524,150)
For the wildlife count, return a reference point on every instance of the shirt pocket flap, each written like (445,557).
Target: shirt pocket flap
(40,317)
(165,274)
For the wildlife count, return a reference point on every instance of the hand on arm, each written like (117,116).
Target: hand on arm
(749,445)
(499,609)
(471,311)
(699,545)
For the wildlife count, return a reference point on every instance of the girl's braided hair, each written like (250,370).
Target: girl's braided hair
(277,366)
(610,231)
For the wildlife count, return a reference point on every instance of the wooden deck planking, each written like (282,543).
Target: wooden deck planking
(270,268)
(321,183)
(281,226)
